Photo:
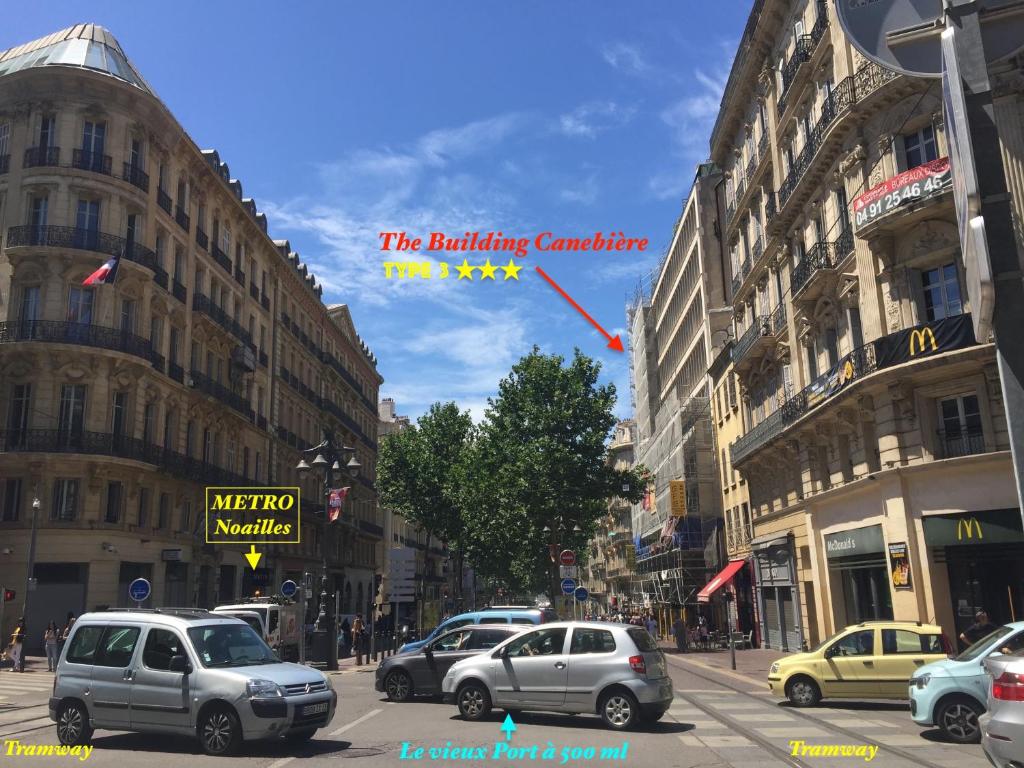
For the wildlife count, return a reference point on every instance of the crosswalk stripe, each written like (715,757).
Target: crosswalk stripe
(727,741)
(790,731)
(689,740)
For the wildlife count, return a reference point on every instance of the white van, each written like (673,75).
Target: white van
(281,624)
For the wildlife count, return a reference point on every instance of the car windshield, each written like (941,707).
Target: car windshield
(230,645)
(979,647)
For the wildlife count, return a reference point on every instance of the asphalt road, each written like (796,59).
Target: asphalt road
(719,719)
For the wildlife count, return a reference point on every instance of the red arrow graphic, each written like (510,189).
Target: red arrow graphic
(613,343)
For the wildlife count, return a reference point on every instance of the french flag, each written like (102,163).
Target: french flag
(106,274)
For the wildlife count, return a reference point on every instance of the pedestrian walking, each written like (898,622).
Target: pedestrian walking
(679,630)
(652,625)
(358,636)
(65,632)
(346,638)
(14,649)
(50,638)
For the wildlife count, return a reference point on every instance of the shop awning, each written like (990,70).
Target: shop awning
(723,578)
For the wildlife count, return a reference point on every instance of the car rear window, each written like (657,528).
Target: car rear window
(642,638)
(591,641)
(908,641)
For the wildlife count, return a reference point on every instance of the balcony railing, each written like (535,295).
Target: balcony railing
(240,277)
(801,54)
(176,372)
(265,301)
(770,207)
(821,256)
(83,239)
(254,291)
(86,160)
(5,163)
(136,177)
(221,258)
(201,303)
(757,329)
(961,443)
(202,240)
(163,200)
(182,218)
(218,391)
(119,446)
(179,291)
(263,359)
(80,334)
(36,157)
(777,321)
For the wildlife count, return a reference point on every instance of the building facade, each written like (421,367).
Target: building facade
(675,330)
(874,445)
(211,360)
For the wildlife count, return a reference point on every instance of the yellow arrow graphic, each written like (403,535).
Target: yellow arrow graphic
(253,556)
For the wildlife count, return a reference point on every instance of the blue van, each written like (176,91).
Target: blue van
(499,614)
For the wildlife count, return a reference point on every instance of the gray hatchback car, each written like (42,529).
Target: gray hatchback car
(187,672)
(615,670)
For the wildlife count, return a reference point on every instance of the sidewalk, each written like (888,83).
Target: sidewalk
(32,664)
(752,662)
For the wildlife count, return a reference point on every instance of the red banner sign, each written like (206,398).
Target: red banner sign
(917,183)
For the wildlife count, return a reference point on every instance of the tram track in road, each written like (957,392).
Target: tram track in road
(26,724)
(746,730)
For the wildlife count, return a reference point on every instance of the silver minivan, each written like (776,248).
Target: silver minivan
(183,671)
(615,670)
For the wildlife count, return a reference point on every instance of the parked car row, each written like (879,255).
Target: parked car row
(614,670)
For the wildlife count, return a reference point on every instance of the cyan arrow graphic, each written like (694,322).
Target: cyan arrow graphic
(508,726)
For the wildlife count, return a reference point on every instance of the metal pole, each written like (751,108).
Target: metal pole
(1008,314)
(302,620)
(28,579)
(732,642)
(329,624)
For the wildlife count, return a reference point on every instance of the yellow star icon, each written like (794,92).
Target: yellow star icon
(512,270)
(465,270)
(487,270)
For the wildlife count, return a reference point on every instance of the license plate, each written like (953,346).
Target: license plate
(315,709)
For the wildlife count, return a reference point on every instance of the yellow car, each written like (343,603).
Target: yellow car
(871,660)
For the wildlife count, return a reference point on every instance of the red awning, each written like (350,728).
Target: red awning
(723,578)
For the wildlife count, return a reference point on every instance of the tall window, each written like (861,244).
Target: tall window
(65,499)
(919,147)
(119,414)
(179,264)
(174,345)
(131,231)
(162,510)
(38,210)
(256,468)
(72,413)
(156,333)
(186,516)
(207,446)
(80,305)
(93,137)
(5,133)
(961,430)
(135,157)
(88,215)
(127,319)
(17,414)
(143,513)
(245,461)
(47,131)
(170,425)
(941,291)
(190,439)
(113,511)
(149,423)
(11,510)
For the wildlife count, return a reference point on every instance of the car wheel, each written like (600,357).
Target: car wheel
(803,692)
(619,710)
(958,719)
(398,686)
(73,725)
(474,701)
(220,733)
(297,737)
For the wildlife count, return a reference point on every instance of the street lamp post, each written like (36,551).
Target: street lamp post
(555,545)
(328,458)
(28,579)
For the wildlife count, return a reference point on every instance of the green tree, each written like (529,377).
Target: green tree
(540,462)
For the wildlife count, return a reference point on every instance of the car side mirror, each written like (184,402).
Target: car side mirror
(179,664)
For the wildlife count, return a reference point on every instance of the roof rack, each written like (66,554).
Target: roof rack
(888,621)
(197,612)
(510,608)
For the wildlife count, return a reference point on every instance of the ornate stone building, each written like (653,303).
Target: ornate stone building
(211,360)
(874,436)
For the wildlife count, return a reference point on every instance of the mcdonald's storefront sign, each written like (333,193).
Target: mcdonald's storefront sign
(919,340)
(994,526)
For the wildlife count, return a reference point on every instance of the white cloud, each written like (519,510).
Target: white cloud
(589,119)
(625,57)
(584,191)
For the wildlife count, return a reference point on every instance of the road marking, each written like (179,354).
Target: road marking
(735,705)
(727,741)
(762,717)
(801,732)
(353,724)
(689,740)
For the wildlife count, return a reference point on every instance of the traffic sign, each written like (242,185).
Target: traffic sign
(289,588)
(567,557)
(568,586)
(581,594)
(138,590)
(568,571)
(903,35)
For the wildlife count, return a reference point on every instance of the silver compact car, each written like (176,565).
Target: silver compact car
(614,670)
(187,672)
(1002,726)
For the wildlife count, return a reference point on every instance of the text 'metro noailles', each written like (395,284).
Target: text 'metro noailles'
(241,515)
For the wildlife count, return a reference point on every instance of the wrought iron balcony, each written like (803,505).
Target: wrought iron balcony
(263,359)
(770,207)
(37,157)
(756,250)
(221,258)
(163,200)
(777,321)
(218,391)
(202,304)
(254,291)
(48,236)
(820,23)
(5,163)
(79,334)
(176,372)
(961,443)
(752,165)
(730,211)
(202,240)
(265,301)
(240,277)
(182,218)
(136,177)
(757,329)
(737,281)
(801,54)
(818,257)
(179,292)
(86,160)
(762,145)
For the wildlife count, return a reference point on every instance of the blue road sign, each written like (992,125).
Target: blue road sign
(581,594)
(138,590)
(568,585)
(289,588)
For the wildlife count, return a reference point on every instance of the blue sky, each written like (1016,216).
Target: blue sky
(344,119)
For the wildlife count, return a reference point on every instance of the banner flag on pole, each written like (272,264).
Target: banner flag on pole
(106,274)
(334,502)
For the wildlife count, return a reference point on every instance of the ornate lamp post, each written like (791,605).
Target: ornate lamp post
(329,460)
(29,579)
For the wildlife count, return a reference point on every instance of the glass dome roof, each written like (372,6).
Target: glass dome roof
(85,45)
